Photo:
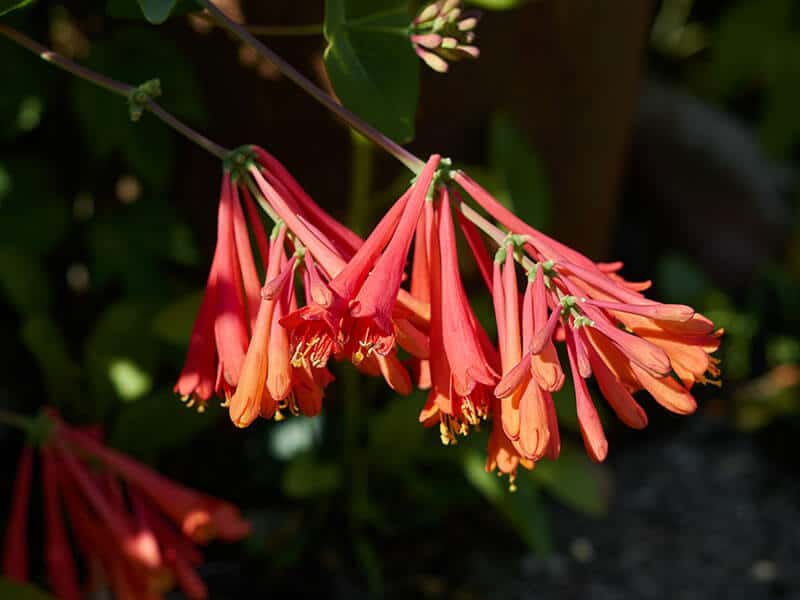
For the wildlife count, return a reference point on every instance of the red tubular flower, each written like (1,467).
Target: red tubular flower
(612,332)
(251,397)
(322,327)
(372,308)
(221,332)
(135,529)
(15,551)
(462,346)
(196,381)
(266,350)
(61,570)
(522,409)
(239,342)
(200,517)
(319,330)
(344,240)
(461,375)
(589,421)
(231,322)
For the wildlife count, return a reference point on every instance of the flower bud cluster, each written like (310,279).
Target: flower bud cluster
(443,32)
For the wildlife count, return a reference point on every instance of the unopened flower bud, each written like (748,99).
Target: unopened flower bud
(443,33)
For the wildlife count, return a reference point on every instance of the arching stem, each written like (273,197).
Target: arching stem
(367,130)
(113,86)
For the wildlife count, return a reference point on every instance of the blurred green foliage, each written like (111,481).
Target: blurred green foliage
(19,591)
(768,59)
(745,57)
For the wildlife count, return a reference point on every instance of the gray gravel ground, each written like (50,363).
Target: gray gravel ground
(700,514)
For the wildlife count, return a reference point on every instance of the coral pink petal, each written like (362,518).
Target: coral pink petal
(15,551)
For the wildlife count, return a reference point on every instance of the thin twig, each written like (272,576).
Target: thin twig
(116,87)
(272,30)
(367,130)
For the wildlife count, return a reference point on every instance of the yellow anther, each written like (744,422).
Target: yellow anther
(358,357)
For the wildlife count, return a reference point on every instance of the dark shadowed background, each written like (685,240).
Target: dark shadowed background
(664,134)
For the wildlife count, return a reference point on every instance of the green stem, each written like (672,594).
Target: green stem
(362,164)
(358,216)
(404,156)
(14,420)
(362,159)
(113,86)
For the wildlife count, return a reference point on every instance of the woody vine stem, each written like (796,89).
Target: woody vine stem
(367,130)
(147,103)
(116,87)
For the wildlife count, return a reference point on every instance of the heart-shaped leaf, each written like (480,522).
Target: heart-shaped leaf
(156,11)
(133,9)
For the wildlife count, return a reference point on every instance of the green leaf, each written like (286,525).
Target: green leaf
(395,435)
(22,591)
(6,6)
(160,422)
(780,127)
(746,46)
(575,480)
(679,279)
(120,334)
(42,337)
(174,322)
(497,4)
(156,11)
(34,217)
(522,509)
(516,164)
(134,9)
(134,244)
(24,281)
(371,63)
(308,477)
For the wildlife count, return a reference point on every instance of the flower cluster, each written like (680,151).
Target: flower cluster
(608,328)
(263,350)
(135,530)
(442,32)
